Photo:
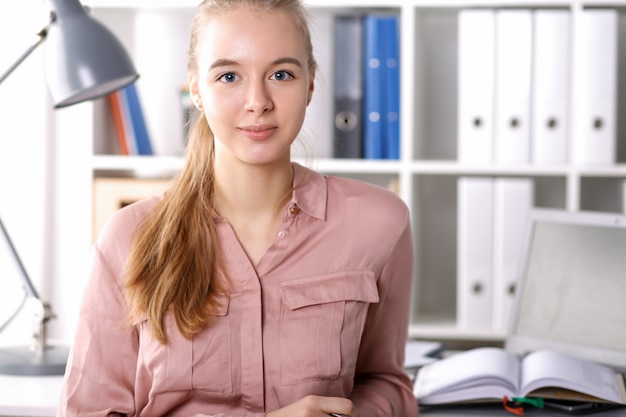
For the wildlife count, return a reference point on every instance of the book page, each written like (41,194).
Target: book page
(470,374)
(551,369)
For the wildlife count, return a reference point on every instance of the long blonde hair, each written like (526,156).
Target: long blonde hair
(175,263)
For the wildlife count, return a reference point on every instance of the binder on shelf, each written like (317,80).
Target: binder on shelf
(513,54)
(391,51)
(122,129)
(513,200)
(142,138)
(475,252)
(373,101)
(597,139)
(381,97)
(128,123)
(476,68)
(348,87)
(550,97)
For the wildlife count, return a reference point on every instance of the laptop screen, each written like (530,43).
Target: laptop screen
(572,290)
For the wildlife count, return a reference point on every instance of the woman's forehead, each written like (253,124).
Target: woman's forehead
(248,30)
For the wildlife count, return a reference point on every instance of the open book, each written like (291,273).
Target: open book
(490,374)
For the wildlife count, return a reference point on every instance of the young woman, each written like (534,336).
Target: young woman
(255,286)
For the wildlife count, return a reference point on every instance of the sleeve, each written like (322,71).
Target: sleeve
(382,388)
(100,374)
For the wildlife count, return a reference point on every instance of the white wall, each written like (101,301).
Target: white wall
(24,160)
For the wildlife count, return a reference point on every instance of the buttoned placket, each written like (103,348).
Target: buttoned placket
(273,253)
(288,219)
(251,332)
(246,311)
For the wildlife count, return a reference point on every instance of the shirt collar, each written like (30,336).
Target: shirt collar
(310,192)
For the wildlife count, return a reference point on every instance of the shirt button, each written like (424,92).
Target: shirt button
(281,234)
(294,210)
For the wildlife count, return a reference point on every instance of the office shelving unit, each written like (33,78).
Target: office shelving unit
(426,173)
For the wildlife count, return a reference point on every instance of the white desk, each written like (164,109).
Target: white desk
(38,397)
(499,411)
(29,396)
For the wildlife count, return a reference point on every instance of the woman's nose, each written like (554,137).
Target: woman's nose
(258,99)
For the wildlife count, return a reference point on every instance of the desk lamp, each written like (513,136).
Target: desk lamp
(83,61)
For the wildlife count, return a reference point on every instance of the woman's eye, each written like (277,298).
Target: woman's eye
(281,75)
(229,77)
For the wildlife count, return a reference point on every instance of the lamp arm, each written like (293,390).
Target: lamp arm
(42,36)
(42,312)
(28,285)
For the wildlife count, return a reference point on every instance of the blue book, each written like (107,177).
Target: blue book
(373,88)
(391,75)
(142,138)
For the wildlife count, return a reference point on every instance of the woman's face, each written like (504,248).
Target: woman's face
(253,83)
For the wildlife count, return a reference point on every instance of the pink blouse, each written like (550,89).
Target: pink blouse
(324,312)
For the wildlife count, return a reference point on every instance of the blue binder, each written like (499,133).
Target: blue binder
(142,138)
(381,98)
(373,109)
(392,89)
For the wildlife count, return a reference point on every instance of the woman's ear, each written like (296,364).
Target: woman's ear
(311,88)
(194,92)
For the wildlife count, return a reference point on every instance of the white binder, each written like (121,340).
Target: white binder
(550,89)
(514,199)
(597,131)
(476,35)
(474,252)
(513,56)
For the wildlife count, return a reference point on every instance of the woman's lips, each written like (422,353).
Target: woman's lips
(258,132)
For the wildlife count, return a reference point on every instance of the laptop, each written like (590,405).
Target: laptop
(571,294)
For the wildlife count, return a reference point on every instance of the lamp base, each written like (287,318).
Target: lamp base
(23,361)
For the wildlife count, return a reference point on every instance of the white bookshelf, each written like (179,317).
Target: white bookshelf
(426,173)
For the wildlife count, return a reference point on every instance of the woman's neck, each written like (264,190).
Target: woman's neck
(252,190)
(251,199)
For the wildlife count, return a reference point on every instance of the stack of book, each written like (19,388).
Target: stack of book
(130,125)
(543,379)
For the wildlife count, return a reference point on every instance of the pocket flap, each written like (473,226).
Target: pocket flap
(220,308)
(338,286)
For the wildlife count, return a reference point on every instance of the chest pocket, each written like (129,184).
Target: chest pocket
(203,363)
(321,324)
(212,353)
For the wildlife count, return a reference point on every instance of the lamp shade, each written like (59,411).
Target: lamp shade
(83,59)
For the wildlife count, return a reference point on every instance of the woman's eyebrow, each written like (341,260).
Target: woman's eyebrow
(222,63)
(229,62)
(287,60)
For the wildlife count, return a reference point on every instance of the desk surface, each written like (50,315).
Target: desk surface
(34,396)
(38,397)
(498,411)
